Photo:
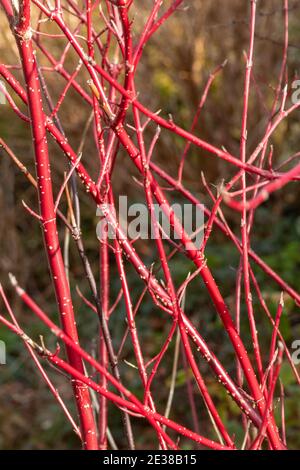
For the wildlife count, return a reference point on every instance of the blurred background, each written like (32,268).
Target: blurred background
(172,75)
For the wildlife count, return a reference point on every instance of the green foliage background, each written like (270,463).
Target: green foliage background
(172,75)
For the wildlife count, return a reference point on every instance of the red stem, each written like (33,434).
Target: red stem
(47,213)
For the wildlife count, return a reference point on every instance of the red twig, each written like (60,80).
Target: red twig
(101,36)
